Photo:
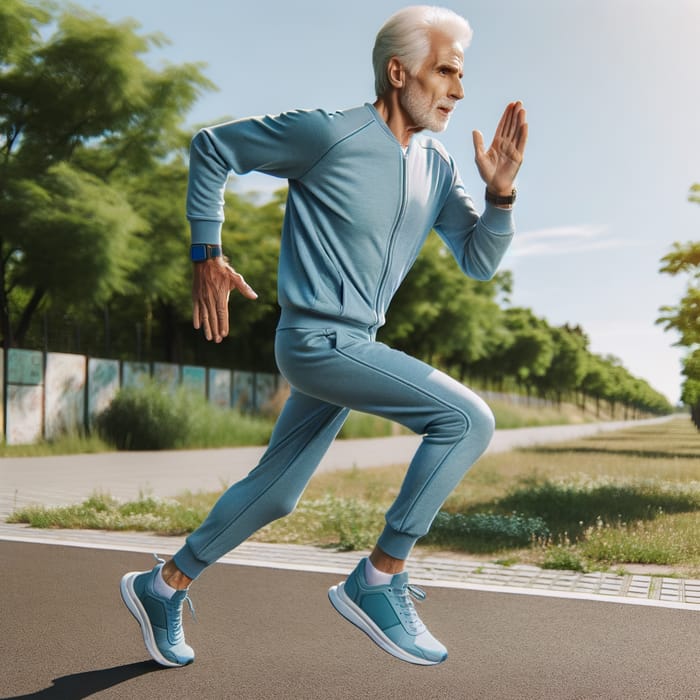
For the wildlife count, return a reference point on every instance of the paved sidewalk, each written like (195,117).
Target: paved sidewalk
(427,569)
(66,480)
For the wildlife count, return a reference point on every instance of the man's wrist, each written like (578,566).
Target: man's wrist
(505,199)
(201,252)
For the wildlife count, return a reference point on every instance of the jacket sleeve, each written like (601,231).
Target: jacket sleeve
(478,243)
(284,146)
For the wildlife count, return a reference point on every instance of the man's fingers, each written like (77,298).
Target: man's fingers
(195,314)
(222,316)
(212,317)
(243,287)
(206,326)
(522,138)
(478,139)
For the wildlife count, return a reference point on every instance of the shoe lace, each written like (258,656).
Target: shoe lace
(406,608)
(174,609)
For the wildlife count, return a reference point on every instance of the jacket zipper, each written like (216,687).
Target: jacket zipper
(392,241)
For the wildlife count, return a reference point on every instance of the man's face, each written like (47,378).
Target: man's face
(429,96)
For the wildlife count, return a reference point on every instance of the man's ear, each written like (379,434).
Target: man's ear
(396,73)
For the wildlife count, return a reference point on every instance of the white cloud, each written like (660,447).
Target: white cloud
(564,240)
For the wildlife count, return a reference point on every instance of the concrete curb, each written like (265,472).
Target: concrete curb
(426,569)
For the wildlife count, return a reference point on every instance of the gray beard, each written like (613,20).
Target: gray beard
(422,111)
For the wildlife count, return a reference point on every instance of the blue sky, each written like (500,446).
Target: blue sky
(613,99)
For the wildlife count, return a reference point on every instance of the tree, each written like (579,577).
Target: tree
(79,109)
(568,365)
(685,317)
(530,352)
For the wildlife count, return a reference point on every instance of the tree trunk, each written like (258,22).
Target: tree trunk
(27,314)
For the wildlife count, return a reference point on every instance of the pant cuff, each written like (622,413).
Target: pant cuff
(186,561)
(396,544)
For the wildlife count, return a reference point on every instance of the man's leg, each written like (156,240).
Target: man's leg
(302,434)
(457,427)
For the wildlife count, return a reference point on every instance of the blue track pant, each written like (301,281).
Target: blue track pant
(332,370)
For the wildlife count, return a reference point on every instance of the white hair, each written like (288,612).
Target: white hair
(406,36)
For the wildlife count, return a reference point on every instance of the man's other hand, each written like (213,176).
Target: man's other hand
(499,165)
(212,284)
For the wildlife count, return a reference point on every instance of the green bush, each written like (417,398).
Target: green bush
(485,532)
(152,418)
(143,418)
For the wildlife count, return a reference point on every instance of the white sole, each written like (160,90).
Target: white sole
(351,612)
(132,602)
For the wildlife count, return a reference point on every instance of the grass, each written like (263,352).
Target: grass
(72,443)
(611,501)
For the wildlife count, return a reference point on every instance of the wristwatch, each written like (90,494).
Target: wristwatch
(500,200)
(199,252)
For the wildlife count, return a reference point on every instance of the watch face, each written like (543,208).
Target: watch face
(198,253)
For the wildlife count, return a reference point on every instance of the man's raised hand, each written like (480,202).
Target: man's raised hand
(212,283)
(499,165)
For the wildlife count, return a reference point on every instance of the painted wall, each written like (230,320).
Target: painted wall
(47,394)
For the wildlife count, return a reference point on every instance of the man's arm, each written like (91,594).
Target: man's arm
(284,146)
(479,243)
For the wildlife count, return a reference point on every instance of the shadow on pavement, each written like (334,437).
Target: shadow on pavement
(82,685)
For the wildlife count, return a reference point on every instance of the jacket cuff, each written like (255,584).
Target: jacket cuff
(498,220)
(206,231)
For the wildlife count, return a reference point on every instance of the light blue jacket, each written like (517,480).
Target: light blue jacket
(358,211)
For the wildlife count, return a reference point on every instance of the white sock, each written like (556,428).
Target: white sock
(161,587)
(374,576)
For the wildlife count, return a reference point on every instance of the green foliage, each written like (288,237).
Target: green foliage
(143,419)
(485,532)
(672,540)
(364,425)
(569,508)
(80,113)
(101,512)
(150,418)
(351,524)
(685,317)
(75,222)
(563,558)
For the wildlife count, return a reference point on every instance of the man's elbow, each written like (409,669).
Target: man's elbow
(481,273)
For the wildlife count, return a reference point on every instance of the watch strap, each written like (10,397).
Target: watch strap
(199,252)
(500,199)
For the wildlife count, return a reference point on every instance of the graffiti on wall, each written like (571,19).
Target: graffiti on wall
(64,393)
(220,387)
(103,385)
(24,412)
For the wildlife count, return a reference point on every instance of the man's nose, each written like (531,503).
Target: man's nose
(457,91)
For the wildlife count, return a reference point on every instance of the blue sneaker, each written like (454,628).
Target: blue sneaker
(387,615)
(160,618)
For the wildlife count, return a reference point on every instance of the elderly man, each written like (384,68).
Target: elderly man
(365,190)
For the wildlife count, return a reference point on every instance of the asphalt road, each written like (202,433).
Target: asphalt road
(265,633)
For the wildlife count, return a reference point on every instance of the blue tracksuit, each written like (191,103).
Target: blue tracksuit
(358,211)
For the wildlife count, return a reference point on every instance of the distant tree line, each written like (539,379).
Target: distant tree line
(684,318)
(94,243)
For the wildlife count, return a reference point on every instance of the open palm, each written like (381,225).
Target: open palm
(499,165)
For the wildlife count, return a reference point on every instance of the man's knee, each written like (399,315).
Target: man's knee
(469,418)
(281,506)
